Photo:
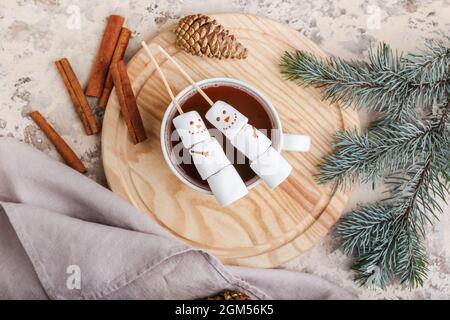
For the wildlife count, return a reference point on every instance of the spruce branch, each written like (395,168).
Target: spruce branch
(432,65)
(383,149)
(408,146)
(361,229)
(389,83)
(361,158)
(386,237)
(412,263)
(352,83)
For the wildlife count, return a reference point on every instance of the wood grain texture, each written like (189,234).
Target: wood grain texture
(267,227)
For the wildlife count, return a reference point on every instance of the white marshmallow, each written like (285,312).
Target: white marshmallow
(226,118)
(190,128)
(227,186)
(251,142)
(209,157)
(271,167)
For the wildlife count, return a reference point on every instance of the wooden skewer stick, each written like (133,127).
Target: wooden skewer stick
(161,74)
(184,73)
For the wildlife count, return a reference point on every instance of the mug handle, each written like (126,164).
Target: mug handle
(296,142)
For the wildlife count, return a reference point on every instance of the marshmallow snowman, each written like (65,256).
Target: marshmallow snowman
(209,158)
(190,128)
(226,118)
(265,161)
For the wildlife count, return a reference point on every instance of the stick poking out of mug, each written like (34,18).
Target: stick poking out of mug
(163,77)
(187,76)
(208,156)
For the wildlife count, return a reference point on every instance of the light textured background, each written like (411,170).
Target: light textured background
(34,33)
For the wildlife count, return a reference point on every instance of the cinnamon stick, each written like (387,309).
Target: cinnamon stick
(77,95)
(119,52)
(104,55)
(127,101)
(61,146)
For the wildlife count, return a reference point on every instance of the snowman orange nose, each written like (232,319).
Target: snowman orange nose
(227,119)
(198,126)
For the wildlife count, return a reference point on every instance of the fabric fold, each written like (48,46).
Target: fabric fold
(56,224)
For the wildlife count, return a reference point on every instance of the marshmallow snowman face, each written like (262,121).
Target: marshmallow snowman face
(226,118)
(191,128)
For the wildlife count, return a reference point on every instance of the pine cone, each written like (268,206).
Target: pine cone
(201,35)
(230,295)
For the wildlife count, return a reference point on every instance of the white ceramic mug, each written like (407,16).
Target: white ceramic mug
(280,140)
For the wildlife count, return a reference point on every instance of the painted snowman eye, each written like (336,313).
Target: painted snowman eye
(191,122)
(224,111)
(218,119)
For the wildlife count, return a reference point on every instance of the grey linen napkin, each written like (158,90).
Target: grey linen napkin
(63,236)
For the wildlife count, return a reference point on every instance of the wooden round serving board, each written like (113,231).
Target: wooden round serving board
(267,227)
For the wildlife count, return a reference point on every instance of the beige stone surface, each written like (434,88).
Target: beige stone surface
(34,33)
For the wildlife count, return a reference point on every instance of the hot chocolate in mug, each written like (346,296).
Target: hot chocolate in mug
(248,101)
